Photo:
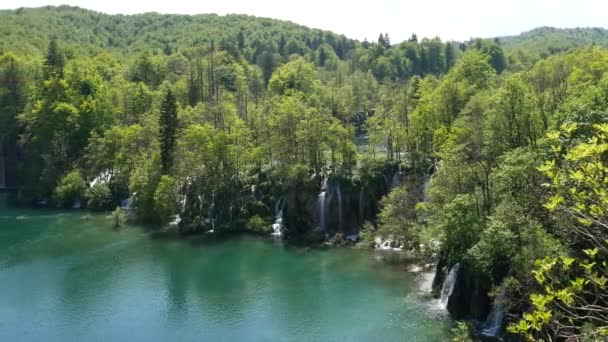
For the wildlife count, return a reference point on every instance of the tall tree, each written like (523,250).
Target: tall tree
(387,41)
(167,130)
(381,39)
(54,61)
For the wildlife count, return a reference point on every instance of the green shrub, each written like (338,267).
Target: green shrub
(99,197)
(70,189)
(257,224)
(165,198)
(118,217)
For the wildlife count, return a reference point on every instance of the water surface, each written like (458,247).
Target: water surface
(64,278)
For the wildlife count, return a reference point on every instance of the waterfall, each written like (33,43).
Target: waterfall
(127,204)
(183,202)
(448,285)
(210,212)
(77,204)
(102,178)
(493,324)
(322,203)
(253,193)
(277,226)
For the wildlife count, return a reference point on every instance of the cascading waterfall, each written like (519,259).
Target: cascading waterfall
(127,204)
(322,210)
(448,285)
(322,202)
(210,212)
(493,323)
(77,204)
(103,178)
(178,217)
(277,227)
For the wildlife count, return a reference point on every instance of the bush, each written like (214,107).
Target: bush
(142,184)
(165,198)
(118,217)
(257,224)
(71,188)
(99,197)
(367,235)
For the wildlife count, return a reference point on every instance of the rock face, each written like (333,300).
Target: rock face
(9,159)
(312,206)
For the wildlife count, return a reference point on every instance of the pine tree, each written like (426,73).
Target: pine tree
(54,61)
(387,41)
(167,130)
(450,58)
(240,38)
(381,39)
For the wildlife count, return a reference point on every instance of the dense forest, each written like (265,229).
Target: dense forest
(488,156)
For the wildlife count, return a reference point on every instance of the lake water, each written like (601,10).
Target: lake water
(64,278)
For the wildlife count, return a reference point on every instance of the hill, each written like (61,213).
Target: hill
(27,30)
(544,41)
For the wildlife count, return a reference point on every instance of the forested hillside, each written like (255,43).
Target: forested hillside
(495,169)
(542,42)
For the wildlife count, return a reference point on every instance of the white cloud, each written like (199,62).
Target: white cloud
(449,19)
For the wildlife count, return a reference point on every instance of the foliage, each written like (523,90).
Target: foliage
(462,332)
(216,117)
(70,189)
(165,198)
(574,292)
(118,217)
(259,225)
(99,197)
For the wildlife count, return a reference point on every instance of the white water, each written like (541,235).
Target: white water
(448,285)
(277,226)
(127,204)
(321,202)
(77,204)
(493,323)
(210,212)
(102,178)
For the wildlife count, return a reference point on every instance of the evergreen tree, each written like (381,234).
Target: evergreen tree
(387,41)
(413,38)
(450,57)
(381,39)
(167,130)
(240,38)
(54,61)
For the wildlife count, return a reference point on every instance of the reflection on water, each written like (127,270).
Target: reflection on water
(65,278)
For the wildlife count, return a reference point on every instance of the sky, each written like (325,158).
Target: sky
(448,19)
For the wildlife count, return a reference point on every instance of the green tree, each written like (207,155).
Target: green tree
(167,131)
